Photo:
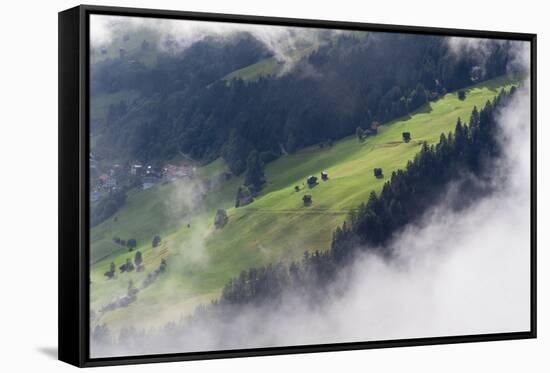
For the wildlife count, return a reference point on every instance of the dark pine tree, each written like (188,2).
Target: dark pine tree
(254,177)
(138,259)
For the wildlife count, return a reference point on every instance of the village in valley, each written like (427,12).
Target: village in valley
(115,177)
(111,178)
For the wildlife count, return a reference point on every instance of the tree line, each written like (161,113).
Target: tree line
(347,83)
(472,148)
(404,198)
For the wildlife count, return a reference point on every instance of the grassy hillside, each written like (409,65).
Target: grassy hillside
(273,66)
(269,66)
(276,226)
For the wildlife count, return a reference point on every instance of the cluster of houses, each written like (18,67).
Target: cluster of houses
(153,175)
(149,175)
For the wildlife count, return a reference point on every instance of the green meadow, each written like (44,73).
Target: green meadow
(275,227)
(273,66)
(268,66)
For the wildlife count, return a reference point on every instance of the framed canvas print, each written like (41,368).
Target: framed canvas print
(239,186)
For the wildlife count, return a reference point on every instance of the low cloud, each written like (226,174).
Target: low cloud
(181,204)
(176,35)
(453,273)
(481,50)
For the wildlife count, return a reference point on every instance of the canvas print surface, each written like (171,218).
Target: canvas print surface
(264,186)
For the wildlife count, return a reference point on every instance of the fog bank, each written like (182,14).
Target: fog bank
(176,35)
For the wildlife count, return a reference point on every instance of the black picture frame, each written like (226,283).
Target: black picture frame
(73,185)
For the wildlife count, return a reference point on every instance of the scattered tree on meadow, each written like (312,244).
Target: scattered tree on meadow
(221,219)
(131,244)
(378,173)
(110,274)
(307,199)
(406,136)
(156,241)
(461,95)
(128,266)
(138,260)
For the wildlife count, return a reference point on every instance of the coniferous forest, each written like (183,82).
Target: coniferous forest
(251,184)
(406,196)
(185,108)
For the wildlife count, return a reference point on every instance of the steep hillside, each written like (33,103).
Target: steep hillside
(276,226)
(328,89)
(270,66)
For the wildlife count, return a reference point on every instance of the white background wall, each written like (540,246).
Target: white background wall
(28,187)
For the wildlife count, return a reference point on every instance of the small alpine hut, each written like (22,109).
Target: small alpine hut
(311,180)
(378,173)
(324,175)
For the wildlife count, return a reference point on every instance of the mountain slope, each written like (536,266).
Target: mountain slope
(270,66)
(277,226)
(186,105)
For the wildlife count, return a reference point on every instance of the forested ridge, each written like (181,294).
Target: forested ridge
(150,112)
(405,197)
(349,82)
(467,154)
